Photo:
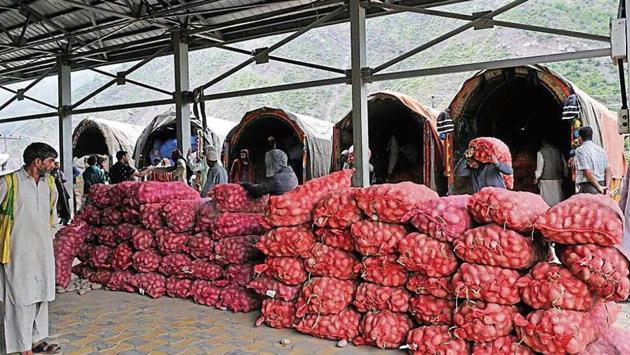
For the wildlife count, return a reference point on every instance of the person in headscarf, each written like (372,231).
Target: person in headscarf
(242,169)
(180,173)
(280,176)
(63,202)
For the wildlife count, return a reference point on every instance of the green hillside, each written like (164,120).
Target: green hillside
(388,37)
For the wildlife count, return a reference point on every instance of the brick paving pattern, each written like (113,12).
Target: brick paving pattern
(106,322)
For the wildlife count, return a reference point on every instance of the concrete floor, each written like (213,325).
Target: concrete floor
(121,323)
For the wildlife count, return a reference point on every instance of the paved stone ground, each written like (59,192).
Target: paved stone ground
(121,323)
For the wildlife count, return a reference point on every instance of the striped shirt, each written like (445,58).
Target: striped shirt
(592,157)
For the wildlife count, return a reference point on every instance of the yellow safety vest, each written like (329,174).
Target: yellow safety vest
(7,211)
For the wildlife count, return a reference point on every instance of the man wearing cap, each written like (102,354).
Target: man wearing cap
(216,173)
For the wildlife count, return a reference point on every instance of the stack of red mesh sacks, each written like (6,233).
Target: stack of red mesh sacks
(309,279)
(574,302)
(223,250)
(494,255)
(128,236)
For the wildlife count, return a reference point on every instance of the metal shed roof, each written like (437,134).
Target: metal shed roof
(92,33)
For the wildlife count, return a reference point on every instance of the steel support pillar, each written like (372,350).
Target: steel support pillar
(64,88)
(359,95)
(182,101)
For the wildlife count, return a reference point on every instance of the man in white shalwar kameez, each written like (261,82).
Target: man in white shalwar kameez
(27,275)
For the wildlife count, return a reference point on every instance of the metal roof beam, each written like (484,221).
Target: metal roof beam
(28,97)
(491,21)
(448,35)
(112,82)
(495,64)
(275,46)
(27,88)
(146,86)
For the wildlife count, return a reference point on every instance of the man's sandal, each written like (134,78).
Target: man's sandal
(45,348)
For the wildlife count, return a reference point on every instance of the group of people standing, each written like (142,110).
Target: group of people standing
(589,162)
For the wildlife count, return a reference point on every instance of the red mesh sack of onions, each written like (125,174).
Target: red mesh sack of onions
(100,276)
(111,216)
(383,329)
(180,216)
(178,287)
(373,297)
(331,262)
(421,253)
(336,238)
(236,250)
(85,252)
(325,295)
(239,299)
(290,271)
(201,246)
(63,269)
(287,241)
(142,239)
(392,203)
(233,224)
(377,238)
(344,325)
(170,243)
(204,270)
(206,293)
(514,210)
(76,230)
(441,287)
(612,342)
(83,271)
(382,270)
(277,314)
(121,192)
(121,257)
(507,345)
(495,246)
(206,215)
(130,215)
(151,216)
(146,260)
(90,214)
(101,257)
(176,265)
(435,339)
(107,236)
(432,310)
(271,288)
(158,192)
(240,274)
(150,283)
(234,198)
(122,281)
(549,286)
(559,332)
(487,283)
(99,195)
(582,219)
(123,232)
(603,269)
(71,240)
(482,322)
(444,218)
(294,208)
(483,149)
(337,210)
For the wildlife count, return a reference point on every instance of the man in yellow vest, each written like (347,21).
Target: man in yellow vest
(27,270)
